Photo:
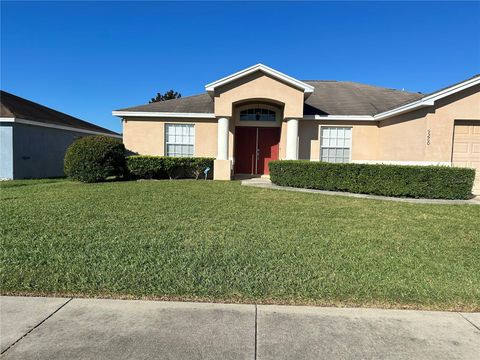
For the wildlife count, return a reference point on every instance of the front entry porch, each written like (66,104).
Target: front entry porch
(253,148)
(258,112)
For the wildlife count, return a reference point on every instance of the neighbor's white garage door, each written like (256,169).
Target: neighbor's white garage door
(466,148)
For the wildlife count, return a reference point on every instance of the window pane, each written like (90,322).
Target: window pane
(179,139)
(340,133)
(335,144)
(257,114)
(333,133)
(348,133)
(325,132)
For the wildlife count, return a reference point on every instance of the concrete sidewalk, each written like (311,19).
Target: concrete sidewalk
(60,328)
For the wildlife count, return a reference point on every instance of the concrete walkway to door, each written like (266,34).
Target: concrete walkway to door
(263,182)
(66,328)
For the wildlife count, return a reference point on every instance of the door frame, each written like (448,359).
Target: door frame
(257,150)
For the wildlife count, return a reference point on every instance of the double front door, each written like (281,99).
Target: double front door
(255,147)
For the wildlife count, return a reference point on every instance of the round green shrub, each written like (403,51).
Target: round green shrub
(94,158)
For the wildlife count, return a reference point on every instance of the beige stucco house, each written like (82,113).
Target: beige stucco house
(259,114)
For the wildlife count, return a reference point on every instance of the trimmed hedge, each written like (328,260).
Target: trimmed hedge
(431,182)
(165,167)
(94,158)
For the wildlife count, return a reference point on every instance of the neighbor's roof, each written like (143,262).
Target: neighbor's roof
(12,106)
(328,98)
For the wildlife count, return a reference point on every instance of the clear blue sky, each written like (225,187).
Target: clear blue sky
(89,58)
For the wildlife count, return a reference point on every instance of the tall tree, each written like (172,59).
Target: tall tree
(167,96)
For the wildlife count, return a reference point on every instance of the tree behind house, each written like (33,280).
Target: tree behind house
(167,96)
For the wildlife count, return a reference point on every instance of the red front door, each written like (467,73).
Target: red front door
(255,147)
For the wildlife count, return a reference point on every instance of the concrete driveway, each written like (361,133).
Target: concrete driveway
(57,328)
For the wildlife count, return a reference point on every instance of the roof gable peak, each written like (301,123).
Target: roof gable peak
(307,89)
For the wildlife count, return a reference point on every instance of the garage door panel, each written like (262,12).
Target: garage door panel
(462,129)
(462,148)
(466,148)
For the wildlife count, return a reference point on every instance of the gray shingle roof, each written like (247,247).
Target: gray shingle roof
(350,98)
(202,103)
(16,107)
(328,98)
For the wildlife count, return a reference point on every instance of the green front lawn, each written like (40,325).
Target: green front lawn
(220,241)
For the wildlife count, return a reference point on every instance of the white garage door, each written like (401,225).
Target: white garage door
(466,148)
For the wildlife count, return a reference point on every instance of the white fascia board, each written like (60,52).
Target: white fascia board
(163,114)
(429,100)
(260,67)
(54,126)
(340,117)
(404,108)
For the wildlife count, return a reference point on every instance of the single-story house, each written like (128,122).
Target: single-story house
(259,114)
(34,138)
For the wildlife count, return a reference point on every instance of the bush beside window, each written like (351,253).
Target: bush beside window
(432,182)
(166,167)
(94,158)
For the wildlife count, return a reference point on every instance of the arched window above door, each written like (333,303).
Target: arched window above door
(257,114)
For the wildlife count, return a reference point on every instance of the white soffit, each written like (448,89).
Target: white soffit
(164,114)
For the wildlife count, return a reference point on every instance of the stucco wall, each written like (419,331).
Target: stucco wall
(146,136)
(427,134)
(364,139)
(6,151)
(38,151)
(402,138)
(424,135)
(259,86)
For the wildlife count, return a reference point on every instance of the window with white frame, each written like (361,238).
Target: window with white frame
(335,144)
(179,139)
(257,114)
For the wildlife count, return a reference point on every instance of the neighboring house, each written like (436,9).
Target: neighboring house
(34,138)
(259,114)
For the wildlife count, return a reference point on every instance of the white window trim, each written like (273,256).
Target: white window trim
(335,126)
(165,138)
(276,109)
